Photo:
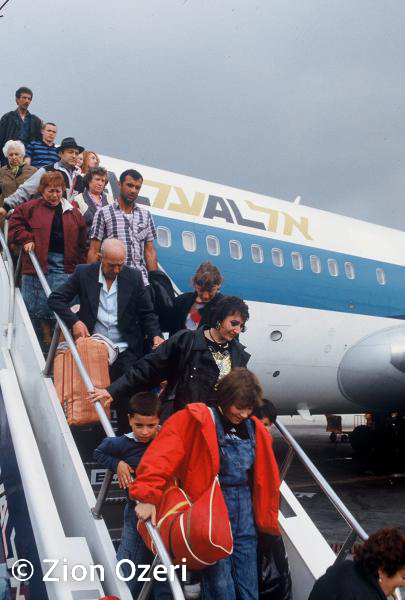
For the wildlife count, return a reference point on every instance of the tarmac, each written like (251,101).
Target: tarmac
(374,492)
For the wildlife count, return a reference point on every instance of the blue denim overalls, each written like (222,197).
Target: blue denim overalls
(236,576)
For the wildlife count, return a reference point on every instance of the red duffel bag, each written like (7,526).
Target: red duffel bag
(200,532)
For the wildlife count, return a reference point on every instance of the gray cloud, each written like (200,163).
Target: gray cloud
(284,97)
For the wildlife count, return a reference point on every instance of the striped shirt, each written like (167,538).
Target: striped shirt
(41,154)
(134,229)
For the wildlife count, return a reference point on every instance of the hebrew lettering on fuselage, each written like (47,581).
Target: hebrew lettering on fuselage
(211,207)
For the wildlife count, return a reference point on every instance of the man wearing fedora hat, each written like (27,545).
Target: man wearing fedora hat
(68,152)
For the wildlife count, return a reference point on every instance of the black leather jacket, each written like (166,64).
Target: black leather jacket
(182,306)
(185,361)
(347,580)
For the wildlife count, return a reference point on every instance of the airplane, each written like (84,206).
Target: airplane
(325,335)
(326,293)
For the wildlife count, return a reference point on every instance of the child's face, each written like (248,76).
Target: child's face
(143,428)
(236,414)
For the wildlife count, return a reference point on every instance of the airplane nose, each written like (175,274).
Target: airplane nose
(372,372)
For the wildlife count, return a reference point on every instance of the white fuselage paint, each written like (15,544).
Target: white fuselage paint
(313,341)
(307,356)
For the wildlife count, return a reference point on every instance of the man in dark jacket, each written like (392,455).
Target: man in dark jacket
(113,303)
(192,362)
(19,124)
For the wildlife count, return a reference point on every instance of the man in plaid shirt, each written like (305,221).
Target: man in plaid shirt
(131,224)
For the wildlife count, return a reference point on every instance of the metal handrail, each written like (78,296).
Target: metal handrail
(105,422)
(294,448)
(11,298)
(153,532)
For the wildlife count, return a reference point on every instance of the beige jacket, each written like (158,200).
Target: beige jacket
(9,182)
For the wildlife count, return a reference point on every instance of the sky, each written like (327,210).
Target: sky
(280,97)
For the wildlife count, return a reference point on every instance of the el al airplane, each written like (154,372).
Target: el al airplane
(325,292)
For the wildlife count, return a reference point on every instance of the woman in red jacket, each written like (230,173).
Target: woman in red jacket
(194,448)
(53,228)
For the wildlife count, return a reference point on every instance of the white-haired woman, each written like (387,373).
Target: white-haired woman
(16,171)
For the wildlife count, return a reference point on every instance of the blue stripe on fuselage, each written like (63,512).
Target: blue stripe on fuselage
(265,282)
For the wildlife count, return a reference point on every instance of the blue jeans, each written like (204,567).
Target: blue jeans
(133,548)
(32,292)
(235,576)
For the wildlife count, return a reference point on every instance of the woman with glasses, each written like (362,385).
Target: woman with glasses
(192,362)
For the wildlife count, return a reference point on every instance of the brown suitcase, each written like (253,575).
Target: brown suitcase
(69,385)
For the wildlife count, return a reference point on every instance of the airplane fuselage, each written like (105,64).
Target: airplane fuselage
(322,289)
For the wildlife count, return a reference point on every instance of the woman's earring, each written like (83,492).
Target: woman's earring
(217,325)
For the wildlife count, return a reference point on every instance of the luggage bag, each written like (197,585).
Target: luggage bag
(69,385)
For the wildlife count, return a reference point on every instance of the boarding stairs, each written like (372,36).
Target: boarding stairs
(63,512)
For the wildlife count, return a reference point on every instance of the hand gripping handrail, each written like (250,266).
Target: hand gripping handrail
(11,297)
(294,448)
(153,532)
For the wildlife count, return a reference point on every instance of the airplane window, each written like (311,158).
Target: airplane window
(257,253)
(380,276)
(212,245)
(189,241)
(235,249)
(296,261)
(333,267)
(164,236)
(315,263)
(277,257)
(349,270)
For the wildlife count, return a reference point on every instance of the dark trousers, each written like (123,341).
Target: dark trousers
(122,364)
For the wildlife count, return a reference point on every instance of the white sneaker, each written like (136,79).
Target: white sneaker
(193,591)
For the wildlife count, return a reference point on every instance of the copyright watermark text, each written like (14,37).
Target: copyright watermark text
(56,569)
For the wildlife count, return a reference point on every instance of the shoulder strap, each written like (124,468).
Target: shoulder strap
(218,426)
(212,414)
(251,431)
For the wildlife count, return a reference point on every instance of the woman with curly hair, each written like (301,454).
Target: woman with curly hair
(192,362)
(377,570)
